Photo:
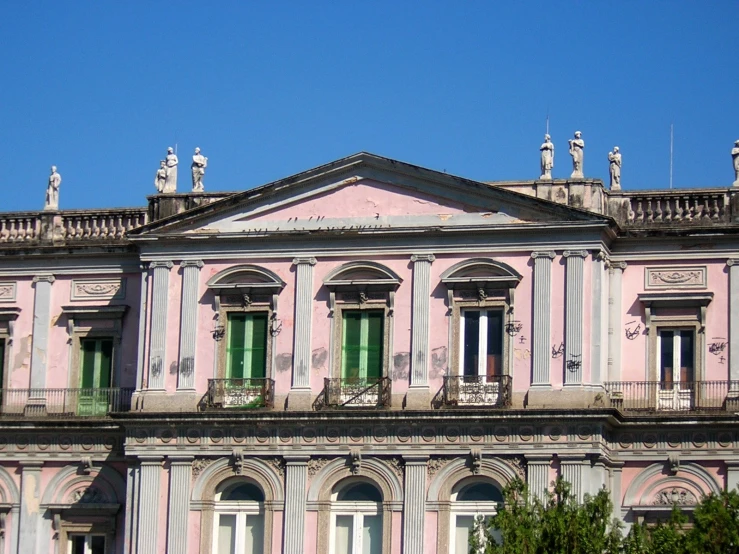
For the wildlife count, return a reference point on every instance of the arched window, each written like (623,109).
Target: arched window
(356,519)
(239,518)
(471,502)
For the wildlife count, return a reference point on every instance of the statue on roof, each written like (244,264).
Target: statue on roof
(52,190)
(735,156)
(577,147)
(161,177)
(547,157)
(171,161)
(614,159)
(199,163)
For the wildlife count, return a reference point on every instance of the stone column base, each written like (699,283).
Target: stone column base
(300,400)
(418,398)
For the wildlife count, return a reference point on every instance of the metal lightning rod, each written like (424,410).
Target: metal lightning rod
(672,142)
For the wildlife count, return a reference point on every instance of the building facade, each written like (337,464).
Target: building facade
(358,358)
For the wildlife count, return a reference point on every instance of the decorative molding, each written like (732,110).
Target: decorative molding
(575,253)
(315,465)
(396,465)
(436,464)
(192,263)
(46,278)
(8,291)
(675,496)
(551,254)
(155,264)
(278,464)
(686,277)
(430,258)
(88,495)
(200,464)
(98,289)
(310,260)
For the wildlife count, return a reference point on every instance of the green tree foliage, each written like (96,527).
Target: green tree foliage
(562,525)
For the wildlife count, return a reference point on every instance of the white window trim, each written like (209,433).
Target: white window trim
(88,536)
(357,510)
(240,509)
(482,349)
(485,509)
(676,352)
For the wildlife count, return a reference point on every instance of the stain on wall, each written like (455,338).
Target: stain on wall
(318,358)
(284,362)
(439,362)
(401,365)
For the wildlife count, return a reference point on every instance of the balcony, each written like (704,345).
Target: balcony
(234,394)
(678,396)
(672,208)
(490,391)
(354,392)
(64,402)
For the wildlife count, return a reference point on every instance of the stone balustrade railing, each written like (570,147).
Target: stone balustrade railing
(20,228)
(695,207)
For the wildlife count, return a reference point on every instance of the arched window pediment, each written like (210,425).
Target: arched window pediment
(246,278)
(480,271)
(362,275)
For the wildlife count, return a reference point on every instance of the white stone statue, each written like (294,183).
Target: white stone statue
(161,177)
(547,158)
(615,168)
(170,184)
(735,156)
(199,163)
(52,190)
(577,147)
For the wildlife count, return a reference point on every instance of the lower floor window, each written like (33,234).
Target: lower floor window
(472,507)
(356,520)
(240,533)
(87,544)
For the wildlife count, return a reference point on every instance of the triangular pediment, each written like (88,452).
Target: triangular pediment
(365,192)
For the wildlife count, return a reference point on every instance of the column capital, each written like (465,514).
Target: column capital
(296,460)
(415,460)
(44,278)
(732,261)
(156,264)
(618,265)
(310,260)
(31,464)
(144,267)
(192,263)
(423,258)
(545,254)
(151,460)
(575,253)
(180,460)
(538,459)
(601,256)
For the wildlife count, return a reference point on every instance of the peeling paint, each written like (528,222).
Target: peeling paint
(438,362)
(401,364)
(284,362)
(318,358)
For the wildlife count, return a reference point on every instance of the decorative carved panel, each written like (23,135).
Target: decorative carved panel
(7,291)
(693,277)
(98,289)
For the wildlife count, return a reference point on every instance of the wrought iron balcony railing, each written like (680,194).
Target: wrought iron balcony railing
(493,391)
(678,396)
(64,402)
(240,393)
(355,392)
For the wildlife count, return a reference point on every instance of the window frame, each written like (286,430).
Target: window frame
(357,510)
(71,535)
(457,345)
(467,508)
(229,306)
(241,509)
(338,333)
(482,339)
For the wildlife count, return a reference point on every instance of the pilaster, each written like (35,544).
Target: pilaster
(158,335)
(733,319)
(537,475)
(574,316)
(418,395)
(148,524)
(615,274)
(615,488)
(132,509)
(296,478)
(571,470)
(179,503)
(300,392)
(188,324)
(540,343)
(41,325)
(143,305)
(30,514)
(597,331)
(414,505)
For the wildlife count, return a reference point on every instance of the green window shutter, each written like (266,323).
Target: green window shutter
(2,363)
(97,363)
(375,338)
(352,345)
(246,355)
(106,363)
(87,379)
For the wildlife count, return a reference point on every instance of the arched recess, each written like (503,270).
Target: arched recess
(254,470)
(252,277)
(9,493)
(372,470)
(109,483)
(438,498)
(9,504)
(689,474)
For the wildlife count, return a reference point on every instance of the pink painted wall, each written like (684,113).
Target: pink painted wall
(429,539)
(18,374)
(557,323)
(365,198)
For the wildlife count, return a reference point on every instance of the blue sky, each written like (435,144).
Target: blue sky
(268,89)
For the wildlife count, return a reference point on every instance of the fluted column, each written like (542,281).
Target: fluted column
(733,319)
(420,323)
(574,316)
(30,514)
(158,335)
(597,330)
(615,273)
(296,477)
(303,320)
(179,503)
(615,486)
(540,344)
(537,475)
(148,525)
(414,505)
(143,305)
(188,323)
(132,509)
(41,325)
(571,470)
